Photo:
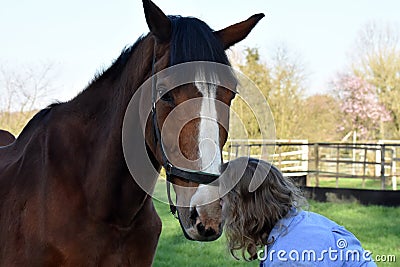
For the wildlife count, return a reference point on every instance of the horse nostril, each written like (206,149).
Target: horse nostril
(200,228)
(193,214)
(210,232)
(205,232)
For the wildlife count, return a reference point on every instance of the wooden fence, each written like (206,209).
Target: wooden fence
(365,161)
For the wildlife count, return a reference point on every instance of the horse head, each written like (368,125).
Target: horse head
(189,126)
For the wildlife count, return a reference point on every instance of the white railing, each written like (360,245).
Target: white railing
(323,160)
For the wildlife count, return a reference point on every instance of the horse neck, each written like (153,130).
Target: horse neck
(111,192)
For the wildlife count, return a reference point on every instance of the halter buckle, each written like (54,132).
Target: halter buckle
(168,167)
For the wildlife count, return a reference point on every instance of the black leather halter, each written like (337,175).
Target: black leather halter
(171,170)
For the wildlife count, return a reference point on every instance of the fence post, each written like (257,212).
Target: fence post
(394,170)
(378,159)
(316,152)
(383,183)
(364,166)
(280,156)
(237,151)
(337,165)
(304,163)
(304,158)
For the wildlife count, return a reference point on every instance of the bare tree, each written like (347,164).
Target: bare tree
(20,93)
(288,80)
(282,80)
(376,59)
(376,39)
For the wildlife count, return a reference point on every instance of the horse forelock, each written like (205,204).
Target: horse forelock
(193,40)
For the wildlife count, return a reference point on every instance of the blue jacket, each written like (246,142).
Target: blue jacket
(309,239)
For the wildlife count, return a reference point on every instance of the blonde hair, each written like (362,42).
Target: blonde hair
(250,216)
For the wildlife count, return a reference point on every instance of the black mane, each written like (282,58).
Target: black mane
(193,40)
(118,64)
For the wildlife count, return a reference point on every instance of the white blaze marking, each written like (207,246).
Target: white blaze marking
(204,195)
(209,151)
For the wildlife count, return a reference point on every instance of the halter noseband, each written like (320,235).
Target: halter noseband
(171,170)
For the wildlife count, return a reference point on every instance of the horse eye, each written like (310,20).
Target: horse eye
(167,97)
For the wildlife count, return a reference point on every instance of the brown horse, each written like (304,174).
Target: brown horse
(67,197)
(6,138)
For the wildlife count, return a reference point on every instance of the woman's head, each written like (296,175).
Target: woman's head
(250,215)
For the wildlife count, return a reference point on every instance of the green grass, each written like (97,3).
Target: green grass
(352,183)
(175,250)
(378,229)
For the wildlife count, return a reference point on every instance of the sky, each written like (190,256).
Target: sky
(80,38)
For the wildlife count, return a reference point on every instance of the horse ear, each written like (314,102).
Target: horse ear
(159,24)
(237,32)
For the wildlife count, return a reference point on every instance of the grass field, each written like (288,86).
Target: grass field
(353,183)
(378,229)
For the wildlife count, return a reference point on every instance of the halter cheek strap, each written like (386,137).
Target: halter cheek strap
(172,206)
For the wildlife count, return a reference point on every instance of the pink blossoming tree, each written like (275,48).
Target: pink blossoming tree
(362,110)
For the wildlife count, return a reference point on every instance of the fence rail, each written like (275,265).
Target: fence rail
(365,161)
